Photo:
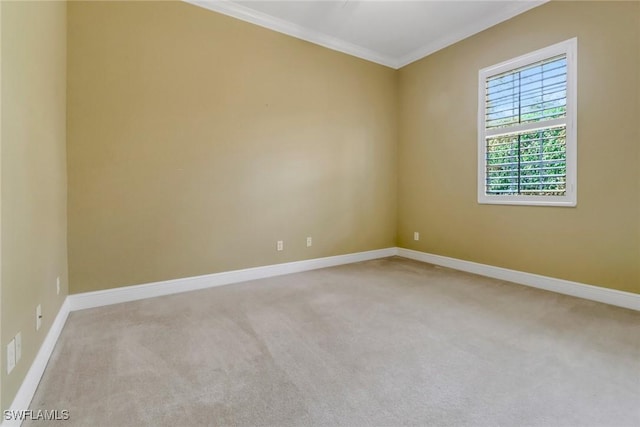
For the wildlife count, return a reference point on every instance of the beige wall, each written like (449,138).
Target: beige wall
(1,100)
(196,141)
(34,184)
(598,242)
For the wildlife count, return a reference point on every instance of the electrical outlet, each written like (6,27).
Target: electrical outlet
(309,241)
(38,317)
(18,339)
(11,356)
(416,235)
(280,245)
(58,285)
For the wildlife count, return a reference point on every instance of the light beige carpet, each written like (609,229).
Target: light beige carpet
(380,343)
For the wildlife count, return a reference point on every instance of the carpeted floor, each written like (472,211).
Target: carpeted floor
(379,343)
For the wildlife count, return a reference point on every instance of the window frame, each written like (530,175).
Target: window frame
(569,48)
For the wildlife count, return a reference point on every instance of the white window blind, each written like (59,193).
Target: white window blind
(527,129)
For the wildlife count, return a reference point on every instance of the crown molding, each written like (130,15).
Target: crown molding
(469,31)
(235,10)
(252,16)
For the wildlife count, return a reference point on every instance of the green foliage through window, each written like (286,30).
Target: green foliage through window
(528,163)
(521,161)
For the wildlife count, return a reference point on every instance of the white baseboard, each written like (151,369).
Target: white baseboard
(566,287)
(28,388)
(131,293)
(168,287)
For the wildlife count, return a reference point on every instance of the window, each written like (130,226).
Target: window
(527,129)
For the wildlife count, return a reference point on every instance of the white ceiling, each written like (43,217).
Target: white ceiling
(392,33)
